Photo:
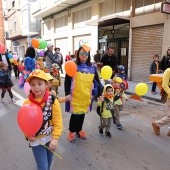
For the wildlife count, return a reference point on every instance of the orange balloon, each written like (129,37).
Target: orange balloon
(35,43)
(71,68)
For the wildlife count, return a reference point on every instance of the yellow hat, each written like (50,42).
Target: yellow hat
(54,65)
(49,76)
(105,87)
(117,79)
(86,48)
(40,58)
(38,74)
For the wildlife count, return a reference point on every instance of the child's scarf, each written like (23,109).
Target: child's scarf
(109,96)
(44,99)
(54,73)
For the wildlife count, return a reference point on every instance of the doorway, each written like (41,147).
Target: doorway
(116,36)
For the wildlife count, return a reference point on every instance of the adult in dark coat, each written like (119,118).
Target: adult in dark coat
(97,57)
(164,64)
(4,58)
(110,59)
(154,69)
(49,56)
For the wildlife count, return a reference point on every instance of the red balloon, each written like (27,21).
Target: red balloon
(2,48)
(71,68)
(30,119)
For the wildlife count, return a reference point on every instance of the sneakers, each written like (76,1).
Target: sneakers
(2,100)
(13,100)
(108,134)
(153,92)
(156,128)
(71,137)
(100,130)
(81,135)
(119,126)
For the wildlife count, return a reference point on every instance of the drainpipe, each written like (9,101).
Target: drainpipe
(132,8)
(130,51)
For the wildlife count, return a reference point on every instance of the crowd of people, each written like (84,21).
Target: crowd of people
(81,91)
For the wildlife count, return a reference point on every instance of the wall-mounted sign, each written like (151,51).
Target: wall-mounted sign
(165,7)
(15,43)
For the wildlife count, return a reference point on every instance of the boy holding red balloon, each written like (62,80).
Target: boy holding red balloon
(83,86)
(50,129)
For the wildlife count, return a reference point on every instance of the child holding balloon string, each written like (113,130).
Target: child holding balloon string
(50,131)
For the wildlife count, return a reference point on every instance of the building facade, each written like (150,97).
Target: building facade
(21,26)
(135,28)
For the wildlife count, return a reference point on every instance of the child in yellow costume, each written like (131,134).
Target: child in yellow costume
(106,109)
(51,128)
(56,77)
(41,63)
(118,104)
(60,99)
(82,87)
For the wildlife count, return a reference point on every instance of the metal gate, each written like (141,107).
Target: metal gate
(146,41)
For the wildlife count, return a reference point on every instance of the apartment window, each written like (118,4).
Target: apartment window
(126,5)
(47,28)
(148,2)
(82,15)
(114,6)
(10,27)
(25,18)
(157,1)
(146,6)
(15,24)
(61,22)
(13,4)
(139,3)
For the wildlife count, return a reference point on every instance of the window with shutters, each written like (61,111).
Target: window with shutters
(15,24)
(61,23)
(81,16)
(10,27)
(147,6)
(47,28)
(114,6)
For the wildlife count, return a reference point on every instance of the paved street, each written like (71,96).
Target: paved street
(135,147)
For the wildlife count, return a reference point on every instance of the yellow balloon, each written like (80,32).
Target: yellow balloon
(141,89)
(106,72)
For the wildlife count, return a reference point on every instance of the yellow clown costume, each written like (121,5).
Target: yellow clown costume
(82,88)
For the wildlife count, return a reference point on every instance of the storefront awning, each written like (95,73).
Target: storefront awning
(107,21)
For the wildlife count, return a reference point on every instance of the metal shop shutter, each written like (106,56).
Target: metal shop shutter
(146,41)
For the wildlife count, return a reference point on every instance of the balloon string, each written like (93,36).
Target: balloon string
(48,149)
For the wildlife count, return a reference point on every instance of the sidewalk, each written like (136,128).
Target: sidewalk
(131,90)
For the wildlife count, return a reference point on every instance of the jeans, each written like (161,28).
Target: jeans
(43,157)
(154,86)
